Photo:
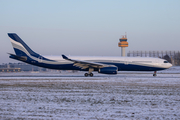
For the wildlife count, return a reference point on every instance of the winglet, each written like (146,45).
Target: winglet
(64,57)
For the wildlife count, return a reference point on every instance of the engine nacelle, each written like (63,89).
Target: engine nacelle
(108,70)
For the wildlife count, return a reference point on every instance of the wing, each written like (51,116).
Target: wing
(86,64)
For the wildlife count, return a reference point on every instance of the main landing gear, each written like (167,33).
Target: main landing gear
(86,74)
(90,73)
(155,74)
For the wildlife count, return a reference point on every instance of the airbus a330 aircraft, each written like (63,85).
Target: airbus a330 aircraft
(104,65)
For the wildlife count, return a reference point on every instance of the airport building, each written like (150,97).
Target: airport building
(18,67)
(10,69)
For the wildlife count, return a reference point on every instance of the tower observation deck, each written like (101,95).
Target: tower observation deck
(123,43)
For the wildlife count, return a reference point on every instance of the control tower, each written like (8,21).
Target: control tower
(123,43)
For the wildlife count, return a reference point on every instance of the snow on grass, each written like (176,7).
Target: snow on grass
(124,96)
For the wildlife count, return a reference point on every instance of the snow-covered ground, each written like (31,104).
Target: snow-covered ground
(67,95)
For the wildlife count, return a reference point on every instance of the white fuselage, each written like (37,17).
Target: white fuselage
(140,61)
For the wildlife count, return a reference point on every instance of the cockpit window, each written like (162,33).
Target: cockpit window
(166,62)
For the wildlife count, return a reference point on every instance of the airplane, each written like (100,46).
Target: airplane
(101,64)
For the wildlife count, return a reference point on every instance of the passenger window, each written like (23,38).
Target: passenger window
(165,61)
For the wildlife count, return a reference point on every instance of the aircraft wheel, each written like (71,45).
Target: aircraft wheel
(86,74)
(91,74)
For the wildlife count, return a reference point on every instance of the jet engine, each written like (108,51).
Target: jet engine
(108,70)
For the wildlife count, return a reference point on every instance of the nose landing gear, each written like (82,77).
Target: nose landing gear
(155,74)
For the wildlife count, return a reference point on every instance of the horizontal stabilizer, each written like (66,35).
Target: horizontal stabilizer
(21,58)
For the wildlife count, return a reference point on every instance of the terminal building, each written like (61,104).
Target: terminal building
(10,69)
(18,67)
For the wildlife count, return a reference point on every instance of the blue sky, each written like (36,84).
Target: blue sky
(93,28)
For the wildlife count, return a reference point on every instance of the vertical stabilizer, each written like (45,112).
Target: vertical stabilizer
(20,48)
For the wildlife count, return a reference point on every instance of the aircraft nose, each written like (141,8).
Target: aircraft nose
(169,65)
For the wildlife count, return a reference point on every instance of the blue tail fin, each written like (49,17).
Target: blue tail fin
(20,48)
